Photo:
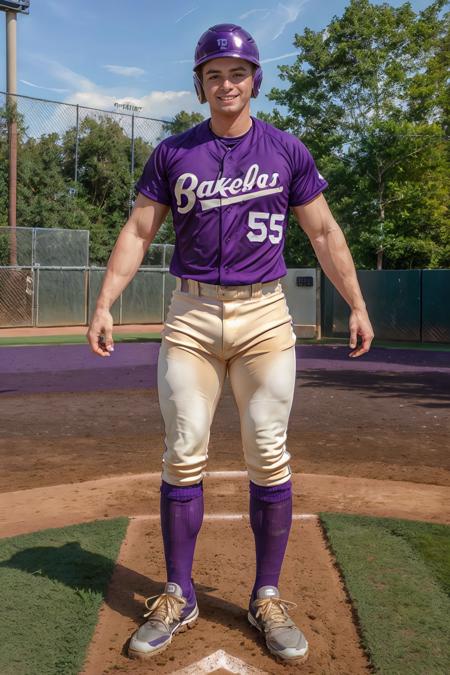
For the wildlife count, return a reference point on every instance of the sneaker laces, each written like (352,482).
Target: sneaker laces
(166,608)
(274,611)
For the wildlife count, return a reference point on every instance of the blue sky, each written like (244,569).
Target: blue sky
(96,52)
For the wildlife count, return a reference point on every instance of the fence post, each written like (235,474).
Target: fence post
(130,200)
(33,296)
(76,143)
(36,314)
(421,305)
(318,303)
(11,106)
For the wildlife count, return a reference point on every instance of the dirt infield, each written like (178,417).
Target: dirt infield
(223,587)
(82,439)
(385,417)
(226,492)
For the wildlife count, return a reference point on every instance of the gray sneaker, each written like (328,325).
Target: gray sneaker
(268,613)
(168,614)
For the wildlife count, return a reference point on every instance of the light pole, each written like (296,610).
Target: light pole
(11,9)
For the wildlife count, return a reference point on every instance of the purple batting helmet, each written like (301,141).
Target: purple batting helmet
(226,39)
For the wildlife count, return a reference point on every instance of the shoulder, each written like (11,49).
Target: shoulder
(282,138)
(293,149)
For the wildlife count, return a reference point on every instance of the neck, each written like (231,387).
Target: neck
(229,126)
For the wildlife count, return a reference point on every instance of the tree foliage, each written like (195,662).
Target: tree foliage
(47,194)
(99,201)
(369,96)
(182,121)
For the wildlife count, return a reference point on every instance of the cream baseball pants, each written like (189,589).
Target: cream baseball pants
(210,332)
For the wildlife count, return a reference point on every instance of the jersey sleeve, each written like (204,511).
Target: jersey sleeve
(306,181)
(154,182)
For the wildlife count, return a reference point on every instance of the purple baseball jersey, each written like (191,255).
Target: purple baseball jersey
(230,202)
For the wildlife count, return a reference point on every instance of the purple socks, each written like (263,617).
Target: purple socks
(182,517)
(181,520)
(271,519)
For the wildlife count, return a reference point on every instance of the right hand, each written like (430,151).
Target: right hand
(99,334)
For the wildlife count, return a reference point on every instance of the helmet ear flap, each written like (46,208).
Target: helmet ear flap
(199,88)
(257,79)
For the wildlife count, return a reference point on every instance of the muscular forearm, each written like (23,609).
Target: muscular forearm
(337,263)
(131,245)
(123,264)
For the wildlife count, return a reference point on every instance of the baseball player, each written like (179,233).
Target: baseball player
(229,182)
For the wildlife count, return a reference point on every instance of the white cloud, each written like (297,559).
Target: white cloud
(69,77)
(126,71)
(37,86)
(280,57)
(154,104)
(272,24)
(183,16)
(254,11)
(84,92)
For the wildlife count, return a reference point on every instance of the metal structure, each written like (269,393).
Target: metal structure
(42,117)
(54,285)
(12,9)
(21,6)
(407,305)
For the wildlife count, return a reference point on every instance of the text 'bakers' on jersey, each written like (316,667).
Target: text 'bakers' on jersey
(230,204)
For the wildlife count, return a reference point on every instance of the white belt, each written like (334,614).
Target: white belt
(227,292)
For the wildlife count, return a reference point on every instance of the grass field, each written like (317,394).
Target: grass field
(397,574)
(156,337)
(52,584)
(73,339)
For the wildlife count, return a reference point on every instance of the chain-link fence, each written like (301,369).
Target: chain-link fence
(53,284)
(76,166)
(42,117)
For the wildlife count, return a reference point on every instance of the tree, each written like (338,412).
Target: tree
(182,122)
(368,96)
(104,184)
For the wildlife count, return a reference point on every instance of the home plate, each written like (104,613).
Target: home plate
(223,641)
(220,659)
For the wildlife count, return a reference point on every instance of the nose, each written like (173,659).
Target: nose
(226,84)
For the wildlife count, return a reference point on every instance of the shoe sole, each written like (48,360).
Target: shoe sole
(181,628)
(280,657)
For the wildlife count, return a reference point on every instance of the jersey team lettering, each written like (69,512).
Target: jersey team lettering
(231,190)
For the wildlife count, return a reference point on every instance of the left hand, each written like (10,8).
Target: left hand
(359,324)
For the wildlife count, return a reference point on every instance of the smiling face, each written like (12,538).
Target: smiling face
(227,84)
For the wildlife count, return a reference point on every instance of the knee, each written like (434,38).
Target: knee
(183,469)
(187,432)
(269,471)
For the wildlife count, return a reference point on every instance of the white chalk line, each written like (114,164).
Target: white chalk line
(217,660)
(227,516)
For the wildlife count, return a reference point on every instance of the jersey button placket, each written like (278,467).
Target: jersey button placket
(224,212)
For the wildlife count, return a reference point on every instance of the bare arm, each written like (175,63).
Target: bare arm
(125,259)
(328,241)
